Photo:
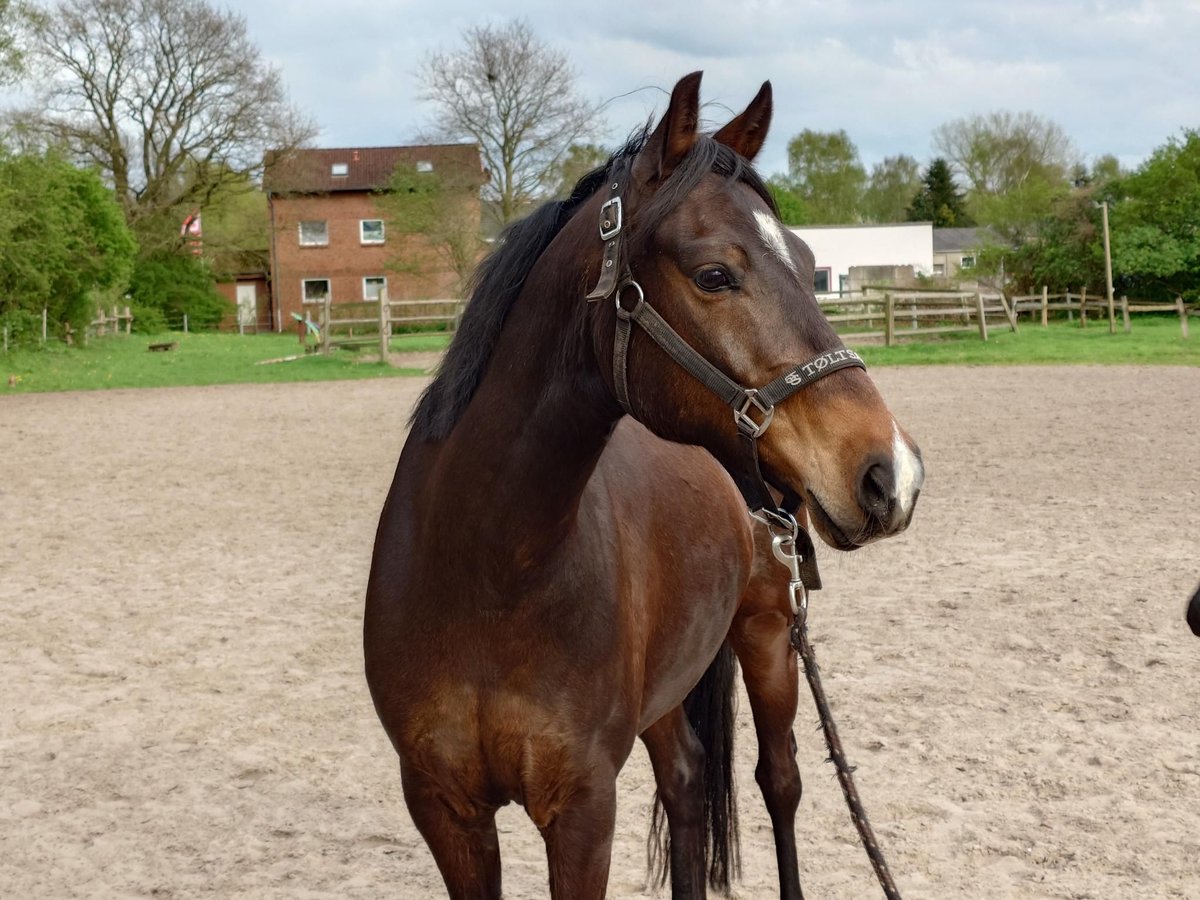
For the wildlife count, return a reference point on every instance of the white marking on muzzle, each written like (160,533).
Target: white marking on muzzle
(773,236)
(910,474)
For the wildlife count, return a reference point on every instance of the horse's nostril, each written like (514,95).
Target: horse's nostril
(877,489)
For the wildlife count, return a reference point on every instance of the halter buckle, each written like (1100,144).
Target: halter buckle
(611,218)
(743,420)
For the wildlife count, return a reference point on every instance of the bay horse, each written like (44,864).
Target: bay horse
(553,579)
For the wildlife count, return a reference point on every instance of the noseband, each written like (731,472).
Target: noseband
(746,403)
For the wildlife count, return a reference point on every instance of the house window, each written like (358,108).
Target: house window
(371,231)
(340,170)
(821,280)
(968,262)
(373,288)
(939,268)
(424,165)
(314,233)
(315,290)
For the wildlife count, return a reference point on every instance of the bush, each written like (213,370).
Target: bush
(173,285)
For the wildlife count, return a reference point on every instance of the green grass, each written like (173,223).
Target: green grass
(229,358)
(1155,340)
(124,362)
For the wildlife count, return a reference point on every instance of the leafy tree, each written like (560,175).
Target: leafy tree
(64,244)
(1016,166)
(577,162)
(514,96)
(792,209)
(825,173)
(1155,239)
(441,206)
(166,285)
(169,99)
(939,201)
(891,188)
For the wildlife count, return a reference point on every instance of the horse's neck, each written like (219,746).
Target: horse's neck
(528,442)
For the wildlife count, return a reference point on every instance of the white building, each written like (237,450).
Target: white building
(837,248)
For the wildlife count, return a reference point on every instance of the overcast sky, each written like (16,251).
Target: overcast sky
(1119,77)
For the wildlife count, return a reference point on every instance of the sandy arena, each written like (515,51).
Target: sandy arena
(183,711)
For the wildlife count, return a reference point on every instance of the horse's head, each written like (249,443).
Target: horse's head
(705,247)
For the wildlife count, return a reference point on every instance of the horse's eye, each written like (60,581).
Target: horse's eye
(713,280)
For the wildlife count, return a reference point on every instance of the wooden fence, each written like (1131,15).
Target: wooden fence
(1083,304)
(892,314)
(372,322)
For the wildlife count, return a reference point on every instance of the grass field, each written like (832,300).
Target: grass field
(123,362)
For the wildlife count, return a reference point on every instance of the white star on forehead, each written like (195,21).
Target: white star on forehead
(773,236)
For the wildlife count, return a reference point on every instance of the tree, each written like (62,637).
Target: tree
(1016,166)
(169,99)
(577,162)
(939,201)
(65,243)
(1155,239)
(891,188)
(515,97)
(10,54)
(792,209)
(441,206)
(825,173)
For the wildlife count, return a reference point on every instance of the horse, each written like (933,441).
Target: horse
(1193,613)
(565,563)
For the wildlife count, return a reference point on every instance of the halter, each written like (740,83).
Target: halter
(753,408)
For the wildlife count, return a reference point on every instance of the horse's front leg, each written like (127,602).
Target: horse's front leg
(579,839)
(760,639)
(677,758)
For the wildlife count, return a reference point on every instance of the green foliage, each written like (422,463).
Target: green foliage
(792,209)
(825,173)
(64,239)
(577,162)
(10,54)
(892,186)
(939,201)
(1156,242)
(176,284)
(443,207)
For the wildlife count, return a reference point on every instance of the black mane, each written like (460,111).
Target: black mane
(498,280)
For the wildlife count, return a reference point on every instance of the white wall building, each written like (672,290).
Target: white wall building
(838,247)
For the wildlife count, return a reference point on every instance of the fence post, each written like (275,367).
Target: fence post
(185,323)
(128,321)
(5,338)
(889,320)
(385,326)
(1083,307)
(43,324)
(1045,306)
(1008,312)
(326,318)
(1183,313)
(982,315)
(1125,313)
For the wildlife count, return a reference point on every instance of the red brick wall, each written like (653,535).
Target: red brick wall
(411,266)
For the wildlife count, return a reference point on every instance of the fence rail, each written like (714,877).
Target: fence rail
(892,315)
(1080,304)
(354,327)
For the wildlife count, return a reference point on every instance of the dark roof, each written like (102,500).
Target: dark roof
(310,170)
(948,240)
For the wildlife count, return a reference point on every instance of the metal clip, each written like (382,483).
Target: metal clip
(784,548)
(611,218)
(745,423)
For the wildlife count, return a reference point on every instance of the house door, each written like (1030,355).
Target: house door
(247,302)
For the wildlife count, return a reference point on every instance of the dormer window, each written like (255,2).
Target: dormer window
(340,169)
(424,165)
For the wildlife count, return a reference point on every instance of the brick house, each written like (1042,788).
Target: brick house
(329,237)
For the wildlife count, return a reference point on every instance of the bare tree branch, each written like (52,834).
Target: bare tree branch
(515,97)
(170,98)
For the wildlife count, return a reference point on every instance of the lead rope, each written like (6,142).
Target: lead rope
(784,537)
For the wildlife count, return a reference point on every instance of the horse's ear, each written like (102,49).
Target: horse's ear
(675,134)
(746,133)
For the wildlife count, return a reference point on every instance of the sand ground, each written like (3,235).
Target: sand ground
(183,714)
